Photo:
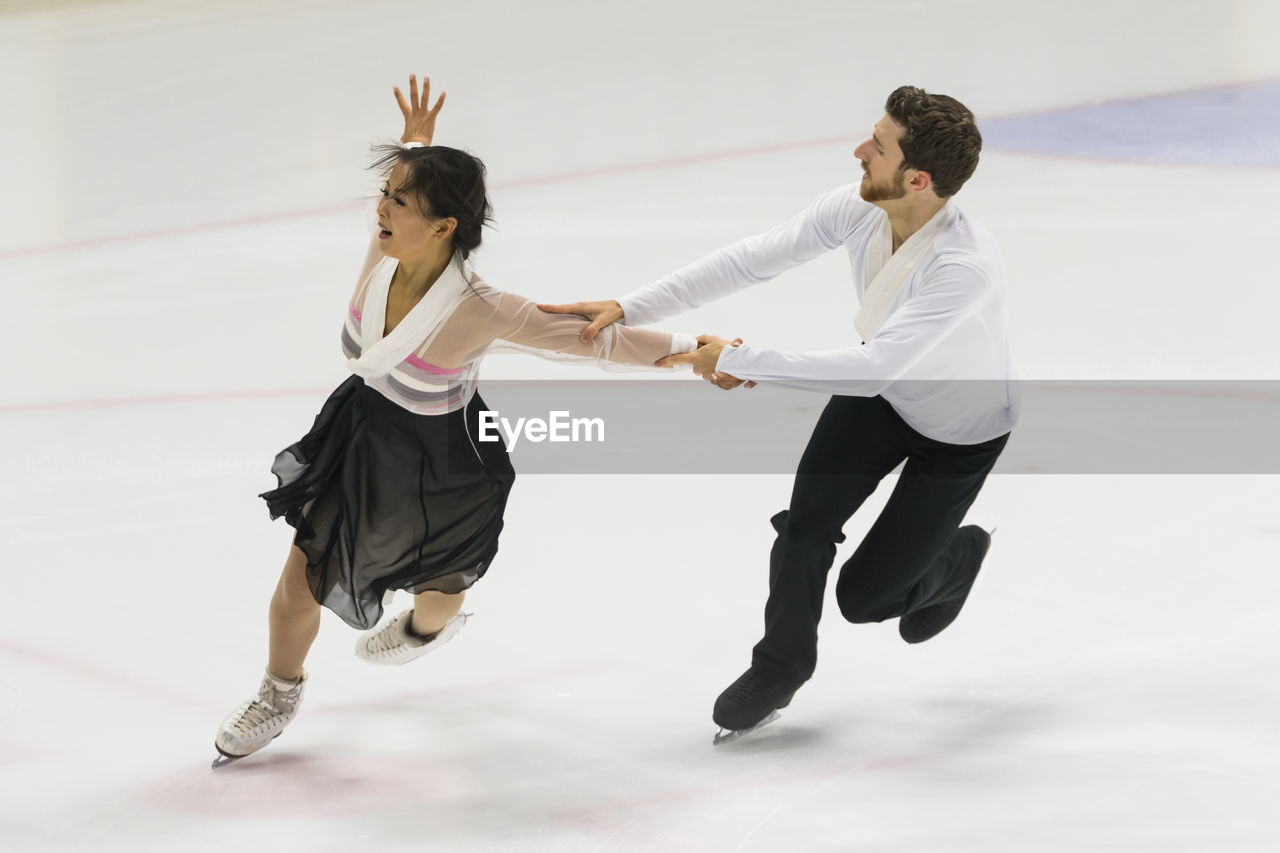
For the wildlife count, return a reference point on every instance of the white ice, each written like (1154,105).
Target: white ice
(182,218)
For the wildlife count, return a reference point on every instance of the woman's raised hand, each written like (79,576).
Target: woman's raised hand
(419,121)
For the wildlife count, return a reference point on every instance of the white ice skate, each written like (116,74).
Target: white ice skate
(393,644)
(257,722)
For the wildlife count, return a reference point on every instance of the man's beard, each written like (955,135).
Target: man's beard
(871,191)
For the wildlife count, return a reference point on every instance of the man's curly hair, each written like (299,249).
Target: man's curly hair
(940,137)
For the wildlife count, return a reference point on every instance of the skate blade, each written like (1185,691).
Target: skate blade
(729,735)
(223,760)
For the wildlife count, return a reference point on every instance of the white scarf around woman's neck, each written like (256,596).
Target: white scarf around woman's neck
(378,354)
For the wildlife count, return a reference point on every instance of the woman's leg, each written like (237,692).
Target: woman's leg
(294,619)
(433,610)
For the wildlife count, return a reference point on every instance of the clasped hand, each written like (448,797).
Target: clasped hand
(704,359)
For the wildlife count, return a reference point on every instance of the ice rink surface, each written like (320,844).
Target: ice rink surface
(181,224)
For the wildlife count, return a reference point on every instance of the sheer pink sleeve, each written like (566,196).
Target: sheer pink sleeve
(512,318)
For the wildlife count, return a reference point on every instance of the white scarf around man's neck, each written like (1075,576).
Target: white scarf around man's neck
(889,270)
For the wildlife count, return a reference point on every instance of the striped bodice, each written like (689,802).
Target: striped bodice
(415,384)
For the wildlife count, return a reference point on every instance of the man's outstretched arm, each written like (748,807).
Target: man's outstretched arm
(827,223)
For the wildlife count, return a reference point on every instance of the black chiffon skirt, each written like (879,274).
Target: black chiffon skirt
(382,498)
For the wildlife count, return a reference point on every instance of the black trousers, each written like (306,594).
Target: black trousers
(908,559)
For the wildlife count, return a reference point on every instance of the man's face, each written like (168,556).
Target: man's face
(881,158)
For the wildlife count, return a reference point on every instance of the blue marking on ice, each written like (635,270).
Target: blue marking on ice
(1236,125)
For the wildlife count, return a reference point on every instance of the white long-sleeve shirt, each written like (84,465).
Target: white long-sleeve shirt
(941,358)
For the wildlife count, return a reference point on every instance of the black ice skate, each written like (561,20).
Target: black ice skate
(750,703)
(929,621)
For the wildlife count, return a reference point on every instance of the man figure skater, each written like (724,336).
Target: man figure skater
(928,381)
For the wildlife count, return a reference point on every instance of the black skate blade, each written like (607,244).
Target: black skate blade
(224,758)
(730,735)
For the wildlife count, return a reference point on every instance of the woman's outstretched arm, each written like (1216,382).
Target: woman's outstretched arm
(513,318)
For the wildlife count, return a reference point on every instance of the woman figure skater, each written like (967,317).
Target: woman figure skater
(390,490)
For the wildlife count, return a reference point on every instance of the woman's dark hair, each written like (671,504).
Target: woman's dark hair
(940,137)
(447,183)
